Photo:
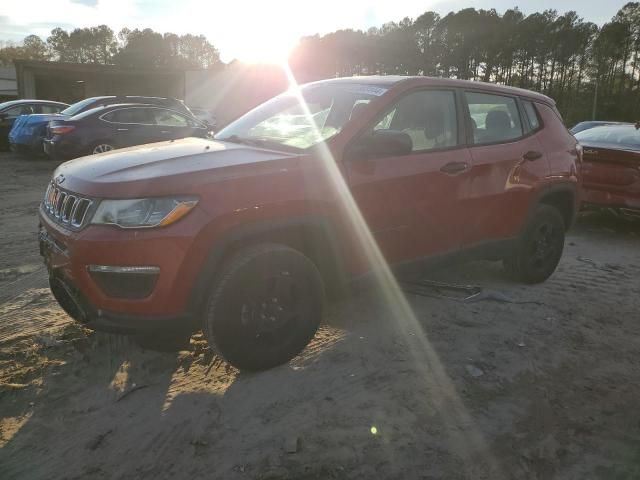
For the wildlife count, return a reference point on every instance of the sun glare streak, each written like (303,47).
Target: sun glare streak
(447,401)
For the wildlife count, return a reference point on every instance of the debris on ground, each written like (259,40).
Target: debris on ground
(129,391)
(98,440)
(489,295)
(292,444)
(473,371)
(432,288)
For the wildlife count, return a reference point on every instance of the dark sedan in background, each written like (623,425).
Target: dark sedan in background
(611,168)
(579,127)
(115,126)
(29,130)
(10,111)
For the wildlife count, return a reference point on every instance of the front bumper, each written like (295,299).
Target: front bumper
(69,255)
(78,307)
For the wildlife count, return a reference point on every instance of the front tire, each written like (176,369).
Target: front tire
(264,307)
(540,248)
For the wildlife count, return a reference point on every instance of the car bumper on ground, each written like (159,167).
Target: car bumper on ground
(122,280)
(606,199)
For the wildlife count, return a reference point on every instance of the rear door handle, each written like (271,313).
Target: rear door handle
(532,155)
(454,167)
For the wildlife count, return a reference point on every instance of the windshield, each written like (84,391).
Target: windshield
(283,121)
(78,106)
(623,137)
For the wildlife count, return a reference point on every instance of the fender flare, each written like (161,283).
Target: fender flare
(563,187)
(319,226)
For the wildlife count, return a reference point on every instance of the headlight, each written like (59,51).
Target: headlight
(143,212)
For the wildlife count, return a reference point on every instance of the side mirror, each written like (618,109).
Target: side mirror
(379,144)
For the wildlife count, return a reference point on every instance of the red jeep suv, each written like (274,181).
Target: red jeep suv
(244,235)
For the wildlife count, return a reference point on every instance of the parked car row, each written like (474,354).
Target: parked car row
(97,124)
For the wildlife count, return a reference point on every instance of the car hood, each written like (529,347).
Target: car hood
(164,168)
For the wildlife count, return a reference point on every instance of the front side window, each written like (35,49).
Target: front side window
(428,117)
(128,115)
(301,121)
(494,118)
(167,118)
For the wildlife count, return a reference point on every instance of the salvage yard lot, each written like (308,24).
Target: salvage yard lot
(527,382)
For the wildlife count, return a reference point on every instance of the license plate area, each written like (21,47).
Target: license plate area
(54,253)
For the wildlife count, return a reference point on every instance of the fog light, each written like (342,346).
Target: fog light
(131,282)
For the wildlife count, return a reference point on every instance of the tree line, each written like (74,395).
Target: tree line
(560,55)
(578,63)
(140,48)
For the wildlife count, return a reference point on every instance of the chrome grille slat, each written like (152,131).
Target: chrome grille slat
(81,212)
(64,207)
(59,202)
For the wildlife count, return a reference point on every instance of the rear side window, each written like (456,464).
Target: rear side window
(428,117)
(128,115)
(167,118)
(18,110)
(48,108)
(532,115)
(494,118)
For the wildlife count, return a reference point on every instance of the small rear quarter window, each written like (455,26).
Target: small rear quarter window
(532,115)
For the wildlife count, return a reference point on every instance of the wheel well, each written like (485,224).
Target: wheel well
(564,202)
(314,241)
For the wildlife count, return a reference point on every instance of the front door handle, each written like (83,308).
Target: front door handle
(532,155)
(454,167)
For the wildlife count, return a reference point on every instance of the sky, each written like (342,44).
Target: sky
(253,30)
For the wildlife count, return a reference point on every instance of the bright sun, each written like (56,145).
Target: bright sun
(263,38)
(272,49)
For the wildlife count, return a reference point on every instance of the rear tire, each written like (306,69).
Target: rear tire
(102,147)
(264,307)
(540,248)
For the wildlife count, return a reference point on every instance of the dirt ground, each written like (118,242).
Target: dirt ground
(525,383)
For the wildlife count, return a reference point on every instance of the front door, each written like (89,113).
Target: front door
(413,203)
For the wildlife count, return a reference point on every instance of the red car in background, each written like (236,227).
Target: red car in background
(611,168)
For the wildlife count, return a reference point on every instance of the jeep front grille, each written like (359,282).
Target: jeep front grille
(65,207)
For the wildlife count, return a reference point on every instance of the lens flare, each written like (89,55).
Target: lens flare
(443,393)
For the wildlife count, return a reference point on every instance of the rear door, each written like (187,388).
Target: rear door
(508,161)
(413,204)
(130,126)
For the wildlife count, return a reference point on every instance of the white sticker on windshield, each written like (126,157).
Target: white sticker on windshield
(367,89)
